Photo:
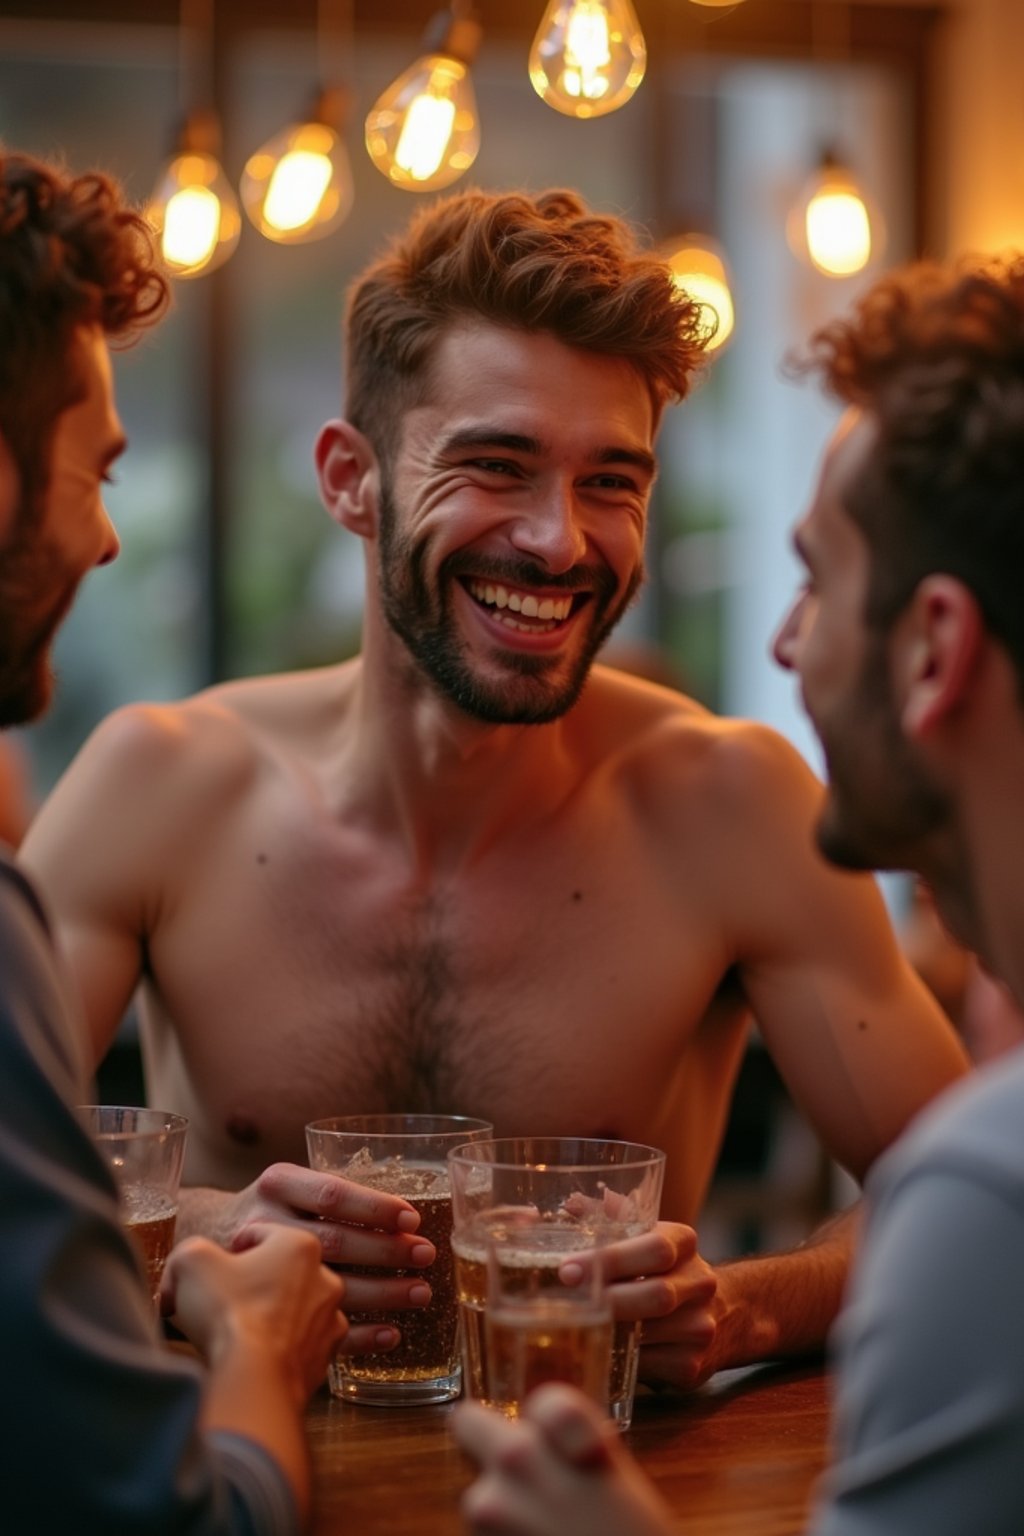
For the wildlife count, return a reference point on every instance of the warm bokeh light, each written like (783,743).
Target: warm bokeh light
(299,185)
(424,132)
(699,269)
(194,211)
(588,56)
(838,231)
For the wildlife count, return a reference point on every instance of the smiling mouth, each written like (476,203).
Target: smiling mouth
(525,611)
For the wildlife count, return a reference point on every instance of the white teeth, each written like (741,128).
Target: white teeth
(549,610)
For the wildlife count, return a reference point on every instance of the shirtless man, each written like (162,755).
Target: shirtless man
(465,872)
(908,641)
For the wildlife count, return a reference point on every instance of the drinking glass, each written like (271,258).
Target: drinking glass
(584,1192)
(404,1155)
(145,1149)
(536,1328)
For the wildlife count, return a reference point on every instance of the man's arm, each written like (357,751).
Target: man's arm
(859,1040)
(104,848)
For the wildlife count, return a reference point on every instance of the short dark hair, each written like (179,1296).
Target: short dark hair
(935,356)
(72,254)
(537,263)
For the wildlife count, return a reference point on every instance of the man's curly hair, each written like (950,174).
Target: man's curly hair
(935,356)
(72,254)
(544,263)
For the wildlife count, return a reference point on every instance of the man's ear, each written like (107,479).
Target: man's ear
(942,637)
(349,477)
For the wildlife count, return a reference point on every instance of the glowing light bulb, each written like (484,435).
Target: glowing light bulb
(700,271)
(588,56)
(832,225)
(195,214)
(423,132)
(298,186)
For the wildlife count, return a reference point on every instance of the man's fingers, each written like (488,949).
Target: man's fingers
(369,1339)
(338,1199)
(573,1426)
(368,1293)
(491,1440)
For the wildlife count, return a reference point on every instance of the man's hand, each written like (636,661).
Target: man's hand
(560,1470)
(660,1279)
(275,1299)
(352,1224)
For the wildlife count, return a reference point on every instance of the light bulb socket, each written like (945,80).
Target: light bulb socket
(457,35)
(332,106)
(198,134)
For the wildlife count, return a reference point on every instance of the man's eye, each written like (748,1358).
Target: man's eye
(108,478)
(612,483)
(496,466)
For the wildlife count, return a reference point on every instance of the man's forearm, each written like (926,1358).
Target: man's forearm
(783,1304)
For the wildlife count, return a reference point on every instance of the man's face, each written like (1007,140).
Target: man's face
(512,523)
(47,547)
(880,801)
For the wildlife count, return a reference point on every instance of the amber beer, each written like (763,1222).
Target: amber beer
(532,1273)
(549,1338)
(428,1347)
(149,1217)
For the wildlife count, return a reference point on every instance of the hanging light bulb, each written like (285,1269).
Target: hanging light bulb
(698,268)
(588,56)
(831,224)
(424,131)
(193,208)
(298,186)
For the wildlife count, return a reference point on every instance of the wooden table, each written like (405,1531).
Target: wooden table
(739,1458)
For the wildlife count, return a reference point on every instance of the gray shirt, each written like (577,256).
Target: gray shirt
(930,1404)
(98,1422)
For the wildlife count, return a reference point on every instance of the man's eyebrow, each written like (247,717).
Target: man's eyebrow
(491,437)
(636,456)
(518,442)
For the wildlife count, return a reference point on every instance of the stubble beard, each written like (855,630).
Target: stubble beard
(29,571)
(535,689)
(880,804)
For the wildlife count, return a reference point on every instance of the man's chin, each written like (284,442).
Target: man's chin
(25,697)
(842,846)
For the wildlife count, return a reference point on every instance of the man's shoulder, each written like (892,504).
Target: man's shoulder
(218,733)
(665,734)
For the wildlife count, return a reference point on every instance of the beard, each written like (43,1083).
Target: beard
(29,568)
(880,802)
(531,689)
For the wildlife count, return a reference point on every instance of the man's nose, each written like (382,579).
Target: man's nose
(110,544)
(785,639)
(549,530)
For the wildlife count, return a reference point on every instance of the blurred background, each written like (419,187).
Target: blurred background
(229,565)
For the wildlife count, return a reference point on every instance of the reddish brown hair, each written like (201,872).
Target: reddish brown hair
(541,263)
(936,357)
(72,254)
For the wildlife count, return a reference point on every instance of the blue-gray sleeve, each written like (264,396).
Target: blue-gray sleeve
(930,1403)
(99,1422)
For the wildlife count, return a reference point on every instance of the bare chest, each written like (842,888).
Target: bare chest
(548,991)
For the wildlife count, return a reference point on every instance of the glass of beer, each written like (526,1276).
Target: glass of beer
(536,1328)
(584,1193)
(405,1155)
(145,1149)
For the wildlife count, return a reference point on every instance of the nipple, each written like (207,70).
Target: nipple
(243,1130)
